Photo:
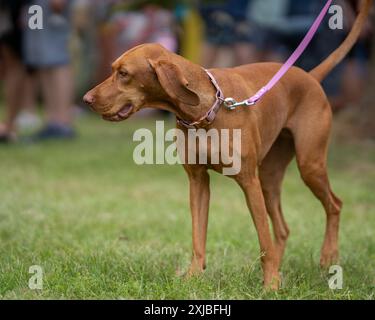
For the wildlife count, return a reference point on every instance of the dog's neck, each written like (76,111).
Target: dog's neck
(200,83)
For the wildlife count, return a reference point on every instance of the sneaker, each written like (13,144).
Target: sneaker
(28,121)
(7,138)
(54,132)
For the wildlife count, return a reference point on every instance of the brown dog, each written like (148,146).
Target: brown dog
(293,119)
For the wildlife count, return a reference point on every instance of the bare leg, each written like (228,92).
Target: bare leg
(245,53)
(29,94)
(107,53)
(57,87)
(210,55)
(14,81)
(353,83)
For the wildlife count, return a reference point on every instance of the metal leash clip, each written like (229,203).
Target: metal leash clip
(232,104)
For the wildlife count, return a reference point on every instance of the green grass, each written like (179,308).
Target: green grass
(102,227)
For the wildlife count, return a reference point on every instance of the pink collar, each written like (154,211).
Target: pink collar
(210,116)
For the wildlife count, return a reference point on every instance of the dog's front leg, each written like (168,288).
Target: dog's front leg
(255,201)
(199,205)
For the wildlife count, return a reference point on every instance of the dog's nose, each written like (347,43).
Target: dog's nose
(89,99)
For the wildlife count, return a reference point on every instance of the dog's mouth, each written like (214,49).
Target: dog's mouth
(121,115)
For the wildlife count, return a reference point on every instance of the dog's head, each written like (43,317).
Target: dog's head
(146,76)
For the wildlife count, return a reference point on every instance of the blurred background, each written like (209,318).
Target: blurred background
(44,73)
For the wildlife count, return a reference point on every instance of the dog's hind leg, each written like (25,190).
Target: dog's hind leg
(311,135)
(271,174)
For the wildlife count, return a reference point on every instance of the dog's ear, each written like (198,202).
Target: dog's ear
(174,83)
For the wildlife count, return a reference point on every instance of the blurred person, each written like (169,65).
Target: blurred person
(149,24)
(228,30)
(190,31)
(83,46)
(16,78)
(355,71)
(284,23)
(126,24)
(105,37)
(46,52)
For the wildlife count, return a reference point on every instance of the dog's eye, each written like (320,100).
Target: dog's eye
(123,73)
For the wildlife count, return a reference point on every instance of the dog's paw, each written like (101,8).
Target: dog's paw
(181,273)
(193,271)
(328,259)
(273,283)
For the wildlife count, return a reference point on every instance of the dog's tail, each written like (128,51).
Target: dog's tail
(322,70)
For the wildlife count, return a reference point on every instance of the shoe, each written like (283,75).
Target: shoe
(7,138)
(54,132)
(28,121)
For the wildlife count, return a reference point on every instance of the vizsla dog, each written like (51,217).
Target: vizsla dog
(293,119)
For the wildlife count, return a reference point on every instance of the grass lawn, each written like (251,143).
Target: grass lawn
(102,227)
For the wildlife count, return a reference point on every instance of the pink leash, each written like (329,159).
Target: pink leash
(231,104)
